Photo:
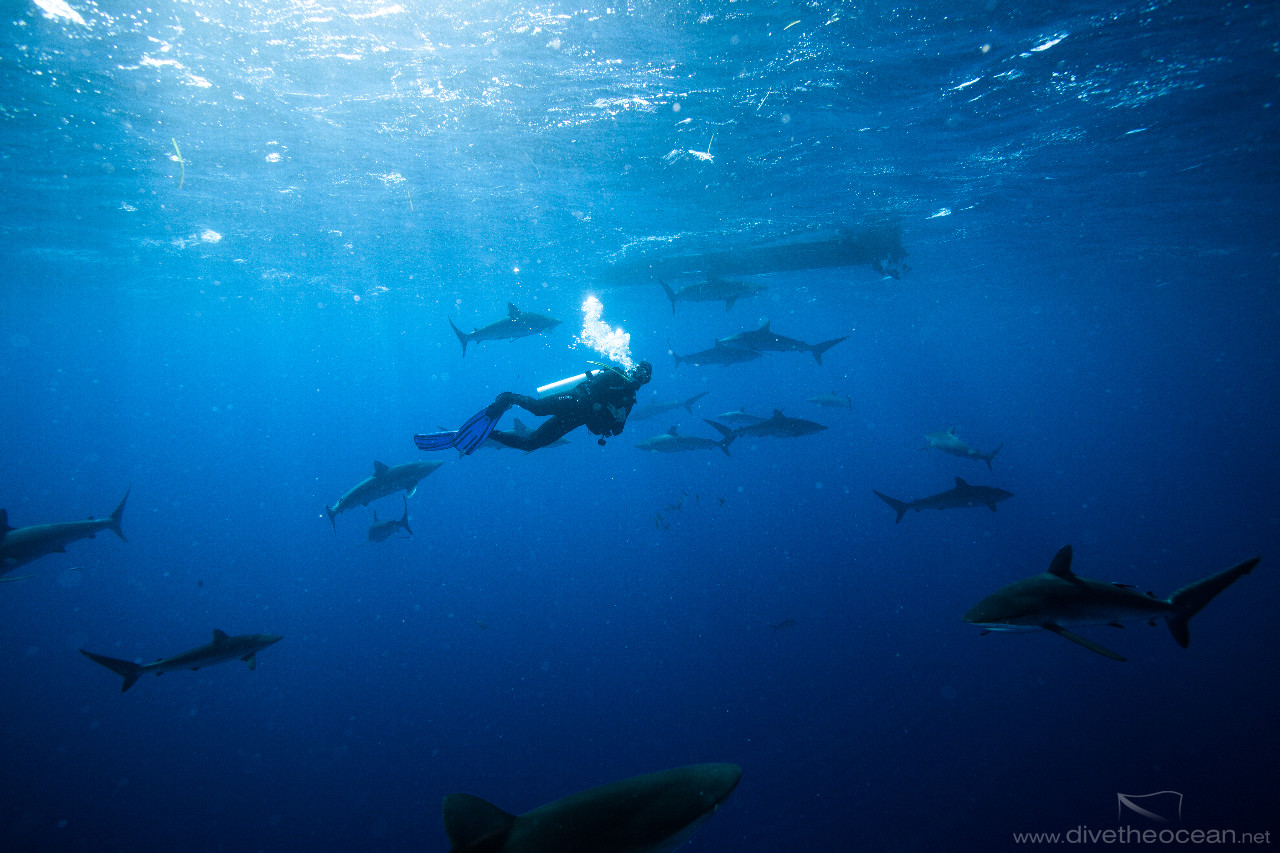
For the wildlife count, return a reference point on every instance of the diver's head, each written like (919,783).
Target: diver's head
(642,373)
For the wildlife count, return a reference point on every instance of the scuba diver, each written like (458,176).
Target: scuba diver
(600,402)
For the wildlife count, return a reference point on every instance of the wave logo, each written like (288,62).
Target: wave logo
(1160,806)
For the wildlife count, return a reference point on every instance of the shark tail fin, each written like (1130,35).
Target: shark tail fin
(819,349)
(992,455)
(126,669)
(1192,598)
(462,337)
(727,435)
(333,518)
(473,824)
(688,404)
(670,349)
(118,514)
(404,519)
(898,506)
(671,294)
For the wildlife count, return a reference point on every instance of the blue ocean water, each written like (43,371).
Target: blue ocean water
(234,235)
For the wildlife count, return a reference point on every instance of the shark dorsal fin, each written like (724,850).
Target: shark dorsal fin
(951,431)
(473,823)
(777,414)
(1061,565)
(672,431)
(219,636)
(512,311)
(961,484)
(764,327)
(4,522)
(378,468)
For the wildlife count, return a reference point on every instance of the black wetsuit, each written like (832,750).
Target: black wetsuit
(601,403)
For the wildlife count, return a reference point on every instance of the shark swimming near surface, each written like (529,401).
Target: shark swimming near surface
(381,531)
(656,408)
(962,496)
(714,289)
(946,441)
(652,813)
(777,426)
(1058,597)
(718,354)
(672,442)
(386,480)
(764,340)
(223,649)
(21,545)
(517,324)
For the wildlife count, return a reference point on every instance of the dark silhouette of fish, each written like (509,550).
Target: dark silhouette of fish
(517,324)
(1058,597)
(223,649)
(380,531)
(764,340)
(21,545)
(644,814)
(962,496)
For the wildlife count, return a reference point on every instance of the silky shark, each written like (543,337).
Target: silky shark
(223,649)
(1059,597)
(21,545)
(946,441)
(380,531)
(740,417)
(777,426)
(652,813)
(962,496)
(832,401)
(386,480)
(764,340)
(672,442)
(719,354)
(517,324)
(661,407)
(714,289)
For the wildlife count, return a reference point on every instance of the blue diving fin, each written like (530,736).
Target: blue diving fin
(465,439)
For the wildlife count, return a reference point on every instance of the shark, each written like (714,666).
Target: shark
(832,401)
(643,814)
(765,340)
(223,649)
(517,324)
(381,531)
(714,289)
(386,480)
(777,426)
(657,408)
(719,354)
(1059,597)
(946,441)
(672,442)
(963,495)
(741,417)
(21,545)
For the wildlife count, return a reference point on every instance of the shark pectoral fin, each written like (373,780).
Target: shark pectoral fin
(475,824)
(412,491)
(1076,638)
(1115,625)
(251,659)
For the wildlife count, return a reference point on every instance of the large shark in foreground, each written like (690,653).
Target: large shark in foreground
(1059,597)
(517,324)
(764,340)
(643,814)
(386,480)
(223,649)
(21,545)
(946,441)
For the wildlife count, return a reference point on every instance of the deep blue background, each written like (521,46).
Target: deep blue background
(1093,251)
